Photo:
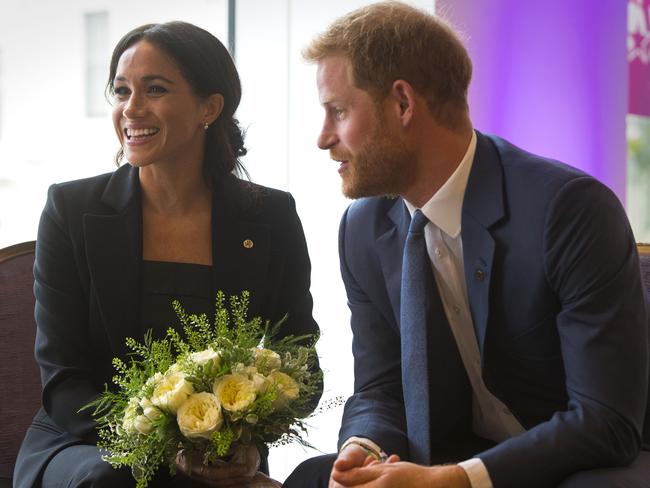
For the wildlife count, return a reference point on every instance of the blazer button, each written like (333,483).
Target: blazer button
(479,274)
(248,244)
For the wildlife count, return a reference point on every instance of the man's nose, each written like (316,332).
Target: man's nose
(327,137)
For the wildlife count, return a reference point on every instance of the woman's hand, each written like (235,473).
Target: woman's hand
(239,471)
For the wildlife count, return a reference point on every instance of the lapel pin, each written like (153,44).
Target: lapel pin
(248,244)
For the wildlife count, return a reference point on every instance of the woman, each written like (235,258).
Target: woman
(175,222)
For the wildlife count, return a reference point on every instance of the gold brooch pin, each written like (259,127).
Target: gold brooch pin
(248,244)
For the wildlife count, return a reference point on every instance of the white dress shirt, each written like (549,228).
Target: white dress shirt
(491,419)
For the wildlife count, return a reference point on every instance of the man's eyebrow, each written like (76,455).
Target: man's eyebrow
(148,78)
(329,101)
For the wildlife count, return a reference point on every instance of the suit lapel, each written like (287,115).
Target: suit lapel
(114,254)
(483,206)
(390,248)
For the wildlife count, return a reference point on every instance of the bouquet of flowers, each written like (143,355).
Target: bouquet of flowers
(206,389)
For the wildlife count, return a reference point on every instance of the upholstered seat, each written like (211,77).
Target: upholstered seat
(644,260)
(20,385)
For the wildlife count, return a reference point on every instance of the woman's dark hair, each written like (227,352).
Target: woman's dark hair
(208,68)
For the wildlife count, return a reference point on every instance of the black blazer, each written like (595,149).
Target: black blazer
(88,288)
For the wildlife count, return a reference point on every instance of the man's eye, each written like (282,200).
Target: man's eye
(338,113)
(157,89)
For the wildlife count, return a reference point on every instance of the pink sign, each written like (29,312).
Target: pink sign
(638,55)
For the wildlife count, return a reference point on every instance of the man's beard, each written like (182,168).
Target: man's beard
(385,166)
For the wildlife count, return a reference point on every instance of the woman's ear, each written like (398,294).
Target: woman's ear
(213,107)
(403,97)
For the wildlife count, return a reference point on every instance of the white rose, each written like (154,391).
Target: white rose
(154,380)
(200,416)
(171,392)
(143,424)
(250,372)
(203,357)
(235,392)
(149,410)
(286,387)
(260,383)
(130,413)
(267,360)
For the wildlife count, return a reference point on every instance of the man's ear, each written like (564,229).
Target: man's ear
(213,107)
(404,98)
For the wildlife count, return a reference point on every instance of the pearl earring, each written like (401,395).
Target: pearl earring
(206,125)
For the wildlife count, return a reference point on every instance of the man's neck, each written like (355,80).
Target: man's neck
(439,154)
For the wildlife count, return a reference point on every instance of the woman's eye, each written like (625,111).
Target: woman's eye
(157,89)
(120,91)
(338,113)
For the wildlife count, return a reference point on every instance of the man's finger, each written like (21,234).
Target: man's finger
(352,456)
(358,476)
(370,460)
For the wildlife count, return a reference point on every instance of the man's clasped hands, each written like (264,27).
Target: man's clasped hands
(354,466)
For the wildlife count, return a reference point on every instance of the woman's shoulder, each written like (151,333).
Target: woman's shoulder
(90,185)
(80,189)
(257,201)
(82,195)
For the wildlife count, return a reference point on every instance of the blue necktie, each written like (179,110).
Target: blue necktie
(431,361)
(418,288)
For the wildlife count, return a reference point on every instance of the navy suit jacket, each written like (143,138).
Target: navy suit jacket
(88,290)
(554,288)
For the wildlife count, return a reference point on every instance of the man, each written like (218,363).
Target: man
(526,359)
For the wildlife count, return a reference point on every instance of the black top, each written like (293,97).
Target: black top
(162,282)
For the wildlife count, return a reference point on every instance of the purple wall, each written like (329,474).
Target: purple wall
(551,76)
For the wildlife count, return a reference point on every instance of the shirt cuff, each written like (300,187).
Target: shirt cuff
(366,441)
(477,473)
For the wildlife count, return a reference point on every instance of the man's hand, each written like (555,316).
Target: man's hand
(397,474)
(240,470)
(352,456)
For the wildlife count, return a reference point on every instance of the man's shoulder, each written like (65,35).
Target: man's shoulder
(521,162)
(372,216)
(369,208)
(539,179)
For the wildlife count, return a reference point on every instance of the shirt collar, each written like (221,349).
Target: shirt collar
(445,207)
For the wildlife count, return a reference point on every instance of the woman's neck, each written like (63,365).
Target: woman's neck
(174,192)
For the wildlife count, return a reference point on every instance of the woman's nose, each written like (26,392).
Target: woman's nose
(134,107)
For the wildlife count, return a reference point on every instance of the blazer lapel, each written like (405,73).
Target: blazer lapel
(114,254)
(240,253)
(390,248)
(483,206)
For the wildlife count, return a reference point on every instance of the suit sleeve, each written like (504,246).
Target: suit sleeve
(376,409)
(61,315)
(592,265)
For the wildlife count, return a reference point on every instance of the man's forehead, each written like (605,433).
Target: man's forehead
(333,77)
(335,64)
